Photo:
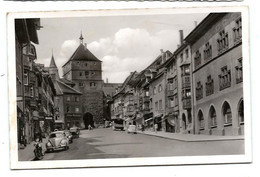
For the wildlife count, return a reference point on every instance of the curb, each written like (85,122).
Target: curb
(196,140)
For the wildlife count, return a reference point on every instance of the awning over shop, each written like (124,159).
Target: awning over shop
(159,115)
(36,115)
(171,120)
(149,119)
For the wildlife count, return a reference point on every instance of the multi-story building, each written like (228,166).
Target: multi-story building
(46,93)
(216,50)
(27,115)
(150,93)
(123,101)
(68,101)
(85,71)
(183,66)
(109,90)
(171,92)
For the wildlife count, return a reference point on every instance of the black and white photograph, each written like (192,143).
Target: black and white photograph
(129,88)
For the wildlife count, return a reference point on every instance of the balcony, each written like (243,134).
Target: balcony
(146,99)
(33,103)
(186,103)
(32,78)
(171,110)
(171,92)
(146,110)
(27,91)
(185,84)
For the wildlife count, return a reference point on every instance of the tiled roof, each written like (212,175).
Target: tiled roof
(66,81)
(82,53)
(61,88)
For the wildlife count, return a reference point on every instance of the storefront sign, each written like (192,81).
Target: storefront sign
(48,118)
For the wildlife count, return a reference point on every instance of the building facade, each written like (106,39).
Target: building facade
(26,79)
(68,101)
(85,71)
(216,45)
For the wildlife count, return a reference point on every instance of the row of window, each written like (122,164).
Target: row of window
(222,43)
(72,98)
(91,84)
(186,55)
(159,89)
(85,64)
(72,109)
(227,116)
(158,105)
(87,73)
(224,80)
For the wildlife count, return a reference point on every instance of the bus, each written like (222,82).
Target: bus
(118,124)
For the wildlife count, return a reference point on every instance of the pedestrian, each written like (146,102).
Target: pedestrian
(155,127)
(142,127)
(40,136)
(89,127)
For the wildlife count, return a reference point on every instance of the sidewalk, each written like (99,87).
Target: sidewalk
(190,137)
(27,154)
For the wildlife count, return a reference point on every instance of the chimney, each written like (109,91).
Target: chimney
(107,80)
(162,54)
(85,45)
(181,37)
(195,23)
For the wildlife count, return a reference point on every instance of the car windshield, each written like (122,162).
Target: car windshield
(58,135)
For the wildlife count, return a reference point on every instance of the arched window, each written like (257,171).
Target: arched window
(212,117)
(241,112)
(227,115)
(184,124)
(201,120)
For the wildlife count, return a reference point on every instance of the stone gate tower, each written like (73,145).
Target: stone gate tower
(85,71)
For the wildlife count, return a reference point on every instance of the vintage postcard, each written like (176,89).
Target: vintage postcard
(129,87)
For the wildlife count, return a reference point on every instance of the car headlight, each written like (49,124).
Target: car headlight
(63,142)
(48,144)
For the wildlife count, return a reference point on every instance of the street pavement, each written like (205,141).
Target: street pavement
(105,143)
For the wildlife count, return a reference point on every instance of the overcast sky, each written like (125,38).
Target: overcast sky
(123,43)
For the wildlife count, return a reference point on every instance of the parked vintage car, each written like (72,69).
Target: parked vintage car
(75,131)
(57,140)
(69,136)
(131,129)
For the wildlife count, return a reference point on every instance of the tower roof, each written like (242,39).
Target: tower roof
(82,53)
(52,63)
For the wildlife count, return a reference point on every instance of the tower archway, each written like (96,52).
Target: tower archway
(88,120)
